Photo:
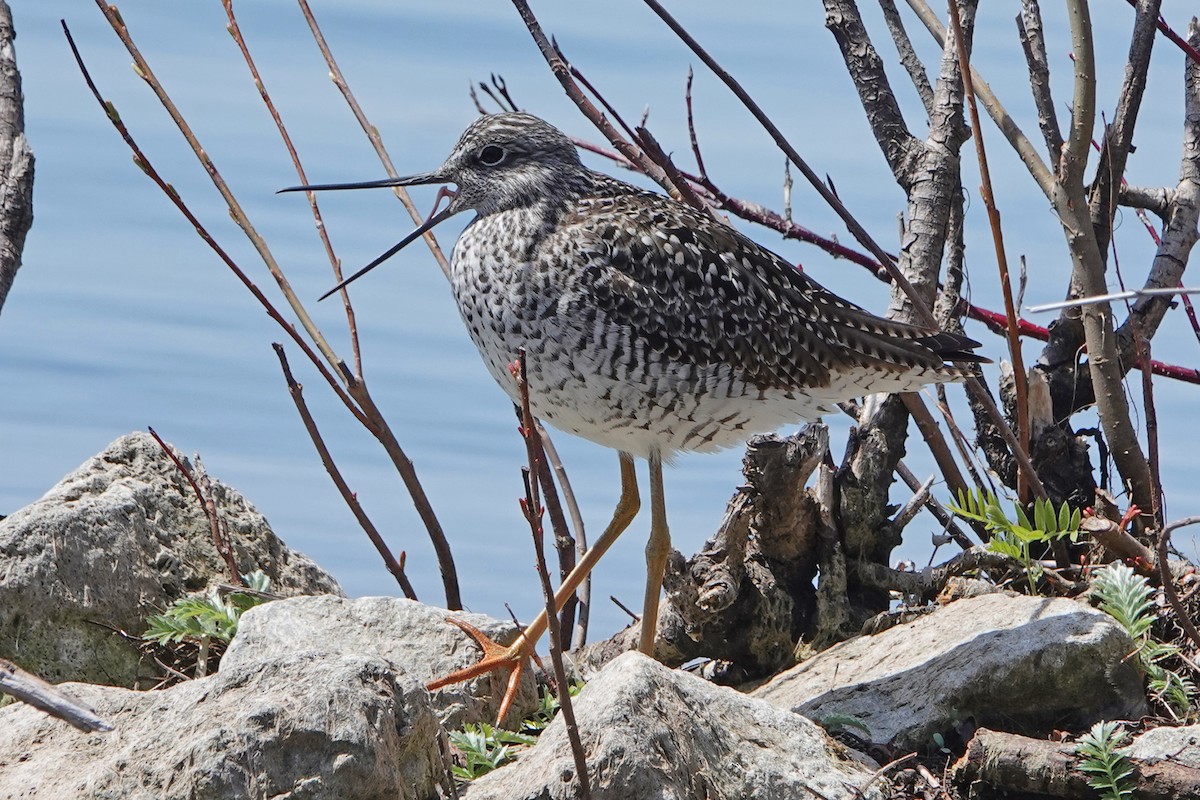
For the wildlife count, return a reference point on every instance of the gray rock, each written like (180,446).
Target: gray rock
(651,732)
(116,541)
(415,638)
(1180,745)
(1007,662)
(303,726)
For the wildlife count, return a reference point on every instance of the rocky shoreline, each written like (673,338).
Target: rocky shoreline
(321,696)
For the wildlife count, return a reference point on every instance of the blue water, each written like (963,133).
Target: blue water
(121,318)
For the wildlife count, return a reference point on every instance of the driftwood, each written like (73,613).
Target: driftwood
(747,595)
(29,688)
(1018,763)
(16,160)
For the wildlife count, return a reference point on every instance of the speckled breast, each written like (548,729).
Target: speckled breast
(589,376)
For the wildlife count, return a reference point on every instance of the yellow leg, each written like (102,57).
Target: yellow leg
(657,550)
(514,656)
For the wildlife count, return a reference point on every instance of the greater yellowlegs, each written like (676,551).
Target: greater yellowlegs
(648,326)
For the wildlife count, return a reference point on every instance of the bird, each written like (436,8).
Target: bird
(649,327)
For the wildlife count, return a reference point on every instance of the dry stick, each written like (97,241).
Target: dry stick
(583,595)
(29,688)
(1064,188)
(322,232)
(937,443)
(1168,582)
(562,72)
(296,390)
(564,543)
(339,80)
(1156,492)
(1029,30)
(144,164)
(367,412)
(220,541)
(533,514)
(944,517)
(973,384)
(989,201)
(908,55)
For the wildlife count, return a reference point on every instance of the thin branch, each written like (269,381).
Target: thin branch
(220,540)
(1189,49)
(339,80)
(908,56)
(583,595)
(1029,28)
(236,31)
(989,201)
(1168,581)
(533,514)
(29,688)
(296,390)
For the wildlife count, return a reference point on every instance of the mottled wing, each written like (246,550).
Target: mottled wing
(700,293)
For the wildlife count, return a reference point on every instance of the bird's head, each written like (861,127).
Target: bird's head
(501,162)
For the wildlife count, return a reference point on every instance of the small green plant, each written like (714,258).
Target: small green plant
(1128,598)
(842,723)
(1014,539)
(1108,772)
(547,710)
(483,748)
(204,620)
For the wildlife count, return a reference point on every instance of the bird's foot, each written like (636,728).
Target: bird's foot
(496,656)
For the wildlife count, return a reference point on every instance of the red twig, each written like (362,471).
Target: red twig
(220,540)
(532,510)
(1169,32)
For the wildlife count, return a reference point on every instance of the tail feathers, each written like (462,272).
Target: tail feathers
(954,347)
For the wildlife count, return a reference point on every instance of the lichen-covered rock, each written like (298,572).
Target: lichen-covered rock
(117,540)
(1008,662)
(303,726)
(414,637)
(651,732)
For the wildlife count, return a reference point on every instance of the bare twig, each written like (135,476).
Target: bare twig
(372,133)
(1029,26)
(1168,582)
(215,524)
(989,201)
(322,232)
(532,509)
(296,391)
(583,596)
(29,688)
(1188,48)
(908,56)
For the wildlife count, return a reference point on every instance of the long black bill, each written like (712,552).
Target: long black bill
(413,180)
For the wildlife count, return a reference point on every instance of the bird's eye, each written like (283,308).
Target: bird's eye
(491,155)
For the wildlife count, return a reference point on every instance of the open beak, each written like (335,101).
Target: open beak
(412,180)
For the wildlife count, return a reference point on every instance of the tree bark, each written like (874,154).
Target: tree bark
(16,160)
